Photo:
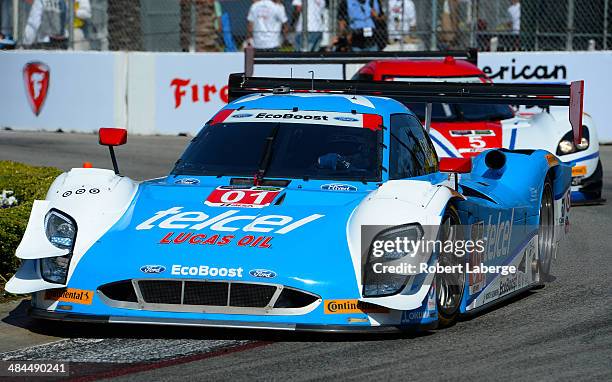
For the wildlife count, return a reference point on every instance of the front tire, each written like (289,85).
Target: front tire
(449,286)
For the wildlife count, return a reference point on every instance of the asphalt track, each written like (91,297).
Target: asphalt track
(561,332)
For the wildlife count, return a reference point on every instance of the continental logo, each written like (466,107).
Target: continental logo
(351,306)
(76,296)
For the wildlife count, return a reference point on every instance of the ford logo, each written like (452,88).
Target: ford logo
(338,187)
(243,115)
(346,119)
(187,181)
(262,273)
(152,269)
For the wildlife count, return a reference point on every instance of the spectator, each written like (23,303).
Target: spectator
(6,17)
(449,24)
(315,20)
(45,27)
(356,22)
(97,26)
(82,15)
(514,12)
(218,12)
(217,21)
(267,24)
(401,19)
(285,28)
(6,25)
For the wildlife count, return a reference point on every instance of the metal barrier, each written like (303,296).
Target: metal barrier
(400,25)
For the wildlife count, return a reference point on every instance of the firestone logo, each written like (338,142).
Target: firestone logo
(36,80)
(184,87)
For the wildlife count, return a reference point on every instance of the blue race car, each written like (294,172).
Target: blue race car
(302,210)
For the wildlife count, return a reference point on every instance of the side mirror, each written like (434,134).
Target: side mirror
(111,137)
(456,166)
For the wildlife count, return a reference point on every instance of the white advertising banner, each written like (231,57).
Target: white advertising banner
(518,67)
(173,93)
(62,90)
(559,67)
(190,88)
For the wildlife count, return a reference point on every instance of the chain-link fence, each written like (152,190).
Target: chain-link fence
(229,25)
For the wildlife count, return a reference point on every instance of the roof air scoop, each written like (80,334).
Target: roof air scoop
(495,160)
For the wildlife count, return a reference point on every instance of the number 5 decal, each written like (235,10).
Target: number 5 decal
(477,142)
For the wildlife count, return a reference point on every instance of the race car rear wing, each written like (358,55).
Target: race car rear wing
(425,92)
(253,57)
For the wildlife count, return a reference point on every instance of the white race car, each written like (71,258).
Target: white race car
(457,129)
(465,130)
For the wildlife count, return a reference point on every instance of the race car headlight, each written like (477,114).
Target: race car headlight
(55,269)
(390,249)
(567,146)
(583,145)
(60,229)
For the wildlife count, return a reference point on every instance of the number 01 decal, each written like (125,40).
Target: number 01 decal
(252,197)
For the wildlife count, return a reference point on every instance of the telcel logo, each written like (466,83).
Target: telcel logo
(262,273)
(498,237)
(228,221)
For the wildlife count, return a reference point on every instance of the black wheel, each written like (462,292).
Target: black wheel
(546,231)
(449,286)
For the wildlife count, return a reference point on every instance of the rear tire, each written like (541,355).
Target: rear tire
(449,286)
(546,230)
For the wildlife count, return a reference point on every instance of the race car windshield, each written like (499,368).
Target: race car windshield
(485,112)
(463,112)
(298,151)
(441,112)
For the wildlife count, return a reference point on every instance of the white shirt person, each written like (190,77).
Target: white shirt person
(266,23)
(401,19)
(316,12)
(514,11)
